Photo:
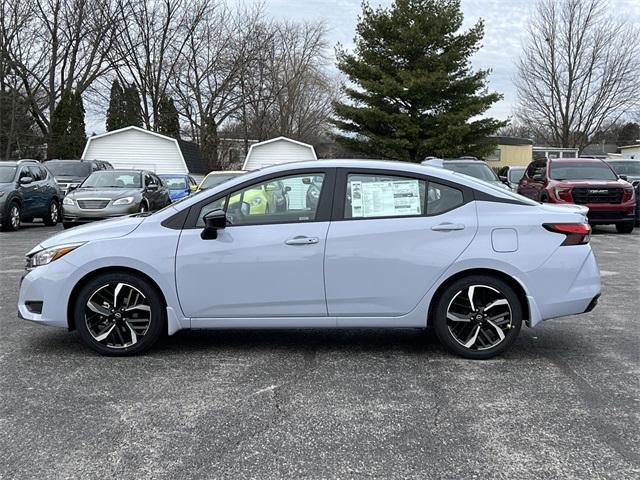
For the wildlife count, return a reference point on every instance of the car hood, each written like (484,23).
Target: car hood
(102,230)
(592,183)
(110,193)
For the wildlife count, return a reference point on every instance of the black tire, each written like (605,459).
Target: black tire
(67,225)
(143,207)
(626,227)
(52,217)
(12,217)
(475,351)
(116,344)
(544,199)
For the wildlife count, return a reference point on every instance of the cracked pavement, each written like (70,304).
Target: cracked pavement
(564,402)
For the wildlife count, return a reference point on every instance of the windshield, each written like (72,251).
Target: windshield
(69,168)
(112,179)
(581,171)
(214,180)
(516,174)
(7,173)
(175,183)
(627,167)
(477,170)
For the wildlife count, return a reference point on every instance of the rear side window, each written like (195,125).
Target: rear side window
(442,198)
(375,196)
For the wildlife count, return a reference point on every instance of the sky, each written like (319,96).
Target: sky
(505,31)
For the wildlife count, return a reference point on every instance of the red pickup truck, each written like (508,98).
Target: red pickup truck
(584,181)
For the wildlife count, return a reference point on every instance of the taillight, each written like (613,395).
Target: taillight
(577,233)
(628,195)
(564,194)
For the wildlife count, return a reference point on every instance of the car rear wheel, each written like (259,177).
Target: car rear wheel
(119,314)
(143,207)
(53,215)
(626,227)
(478,317)
(12,217)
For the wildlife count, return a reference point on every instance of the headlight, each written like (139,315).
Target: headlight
(48,255)
(68,201)
(124,201)
(255,201)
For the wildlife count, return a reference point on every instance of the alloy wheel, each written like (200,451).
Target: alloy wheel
(118,315)
(479,317)
(53,212)
(14,216)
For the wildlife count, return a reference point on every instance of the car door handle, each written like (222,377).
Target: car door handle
(302,240)
(447,227)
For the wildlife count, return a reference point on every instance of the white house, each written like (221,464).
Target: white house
(630,151)
(134,147)
(277,150)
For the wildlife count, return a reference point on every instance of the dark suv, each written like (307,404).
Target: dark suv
(27,190)
(583,181)
(71,173)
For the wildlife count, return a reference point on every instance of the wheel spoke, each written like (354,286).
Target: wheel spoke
(501,301)
(116,291)
(134,337)
(140,306)
(472,290)
(99,309)
(473,338)
(497,329)
(455,318)
(106,333)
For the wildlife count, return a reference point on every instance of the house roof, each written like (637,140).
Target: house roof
(192,157)
(503,140)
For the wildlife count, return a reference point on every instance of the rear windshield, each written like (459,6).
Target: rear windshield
(113,179)
(477,170)
(7,173)
(69,169)
(581,171)
(175,183)
(516,174)
(214,180)
(626,168)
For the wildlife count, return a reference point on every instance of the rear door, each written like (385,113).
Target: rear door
(392,236)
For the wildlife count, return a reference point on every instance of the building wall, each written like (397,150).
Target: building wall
(274,153)
(631,153)
(512,155)
(136,149)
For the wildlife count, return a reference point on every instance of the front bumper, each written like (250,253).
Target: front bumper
(74,214)
(600,214)
(49,288)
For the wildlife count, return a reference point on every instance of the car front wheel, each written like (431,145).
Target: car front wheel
(53,214)
(119,314)
(626,227)
(478,317)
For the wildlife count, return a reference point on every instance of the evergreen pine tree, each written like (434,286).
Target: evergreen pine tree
(168,122)
(132,107)
(117,108)
(413,91)
(67,136)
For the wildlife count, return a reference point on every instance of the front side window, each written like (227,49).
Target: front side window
(280,200)
(371,196)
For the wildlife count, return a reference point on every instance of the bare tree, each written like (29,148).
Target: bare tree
(579,71)
(55,47)
(151,39)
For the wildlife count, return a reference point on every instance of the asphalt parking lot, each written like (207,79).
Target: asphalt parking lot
(564,402)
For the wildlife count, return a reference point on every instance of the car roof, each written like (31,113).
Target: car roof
(224,172)
(14,163)
(575,160)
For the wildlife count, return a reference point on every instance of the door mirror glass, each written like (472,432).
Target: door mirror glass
(623,177)
(26,180)
(213,221)
(504,179)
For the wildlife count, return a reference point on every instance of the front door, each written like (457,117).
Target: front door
(397,237)
(263,264)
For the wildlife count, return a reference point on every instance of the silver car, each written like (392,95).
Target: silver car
(114,193)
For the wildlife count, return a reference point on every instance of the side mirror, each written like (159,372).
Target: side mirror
(72,187)
(213,221)
(504,180)
(623,177)
(152,187)
(287,189)
(193,188)
(636,183)
(538,178)
(26,180)
(306,180)
(270,187)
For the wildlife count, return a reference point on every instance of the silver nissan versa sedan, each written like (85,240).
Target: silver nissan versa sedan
(387,245)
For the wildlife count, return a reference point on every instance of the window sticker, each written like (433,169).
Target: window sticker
(385,199)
